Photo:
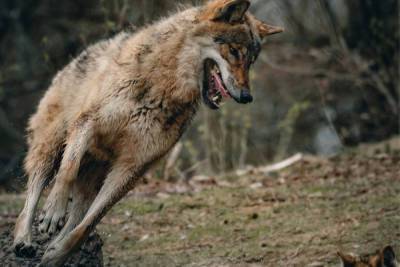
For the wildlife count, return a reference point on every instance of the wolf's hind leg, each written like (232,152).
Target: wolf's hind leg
(118,182)
(39,164)
(56,203)
(84,191)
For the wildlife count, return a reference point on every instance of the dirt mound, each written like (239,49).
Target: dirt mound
(90,253)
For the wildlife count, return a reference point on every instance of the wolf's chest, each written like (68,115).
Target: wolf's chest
(151,126)
(161,118)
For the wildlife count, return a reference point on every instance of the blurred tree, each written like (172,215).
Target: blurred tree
(37,38)
(373,31)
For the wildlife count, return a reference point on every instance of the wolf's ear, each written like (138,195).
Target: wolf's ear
(347,260)
(388,256)
(229,11)
(265,29)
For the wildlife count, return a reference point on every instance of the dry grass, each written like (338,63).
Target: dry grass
(299,217)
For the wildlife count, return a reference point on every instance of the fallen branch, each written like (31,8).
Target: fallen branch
(281,165)
(274,167)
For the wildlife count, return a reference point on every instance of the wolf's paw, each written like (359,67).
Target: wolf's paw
(55,255)
(53,216)
(24,249)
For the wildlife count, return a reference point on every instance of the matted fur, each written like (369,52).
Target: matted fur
(119,107)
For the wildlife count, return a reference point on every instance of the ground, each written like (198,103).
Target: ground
(90,254)
(300,216)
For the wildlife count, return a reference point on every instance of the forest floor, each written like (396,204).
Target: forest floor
(300,216)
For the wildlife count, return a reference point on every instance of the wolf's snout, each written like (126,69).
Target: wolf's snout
(245,97)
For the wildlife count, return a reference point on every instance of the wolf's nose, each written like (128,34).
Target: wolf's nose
(245,97)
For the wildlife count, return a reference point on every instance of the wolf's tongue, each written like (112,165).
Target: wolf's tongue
(219,85)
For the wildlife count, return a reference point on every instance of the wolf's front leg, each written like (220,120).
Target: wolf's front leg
(118,182)
(23,229)
(39,164)
(56,203)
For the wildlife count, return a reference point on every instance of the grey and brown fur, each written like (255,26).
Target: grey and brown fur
(121,106)
(384,257)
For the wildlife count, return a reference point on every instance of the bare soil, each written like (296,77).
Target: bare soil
(298,217)
(89,255)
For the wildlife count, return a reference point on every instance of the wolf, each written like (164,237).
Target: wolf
(385,257)
(121,105)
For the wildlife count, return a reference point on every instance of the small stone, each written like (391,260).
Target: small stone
(254,216)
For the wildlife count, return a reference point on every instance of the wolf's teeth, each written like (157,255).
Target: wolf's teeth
(216,70)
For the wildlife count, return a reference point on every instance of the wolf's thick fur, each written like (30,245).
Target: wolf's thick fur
(385,257)
(119,107)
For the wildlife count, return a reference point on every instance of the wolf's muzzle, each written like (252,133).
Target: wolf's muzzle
(245,97)
(241,94)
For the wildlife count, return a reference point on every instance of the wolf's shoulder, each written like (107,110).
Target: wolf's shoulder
(103,47)
(88,60)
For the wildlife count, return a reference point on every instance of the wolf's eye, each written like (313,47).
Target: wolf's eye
(234,52)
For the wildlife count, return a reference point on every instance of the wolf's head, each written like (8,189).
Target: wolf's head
(382,258)
(233,45)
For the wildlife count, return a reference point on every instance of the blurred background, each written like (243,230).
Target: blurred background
(328,83)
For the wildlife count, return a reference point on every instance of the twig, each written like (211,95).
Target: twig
(309,72)
(194,167)
(171,160)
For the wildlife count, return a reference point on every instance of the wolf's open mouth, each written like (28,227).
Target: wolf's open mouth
(214,89)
